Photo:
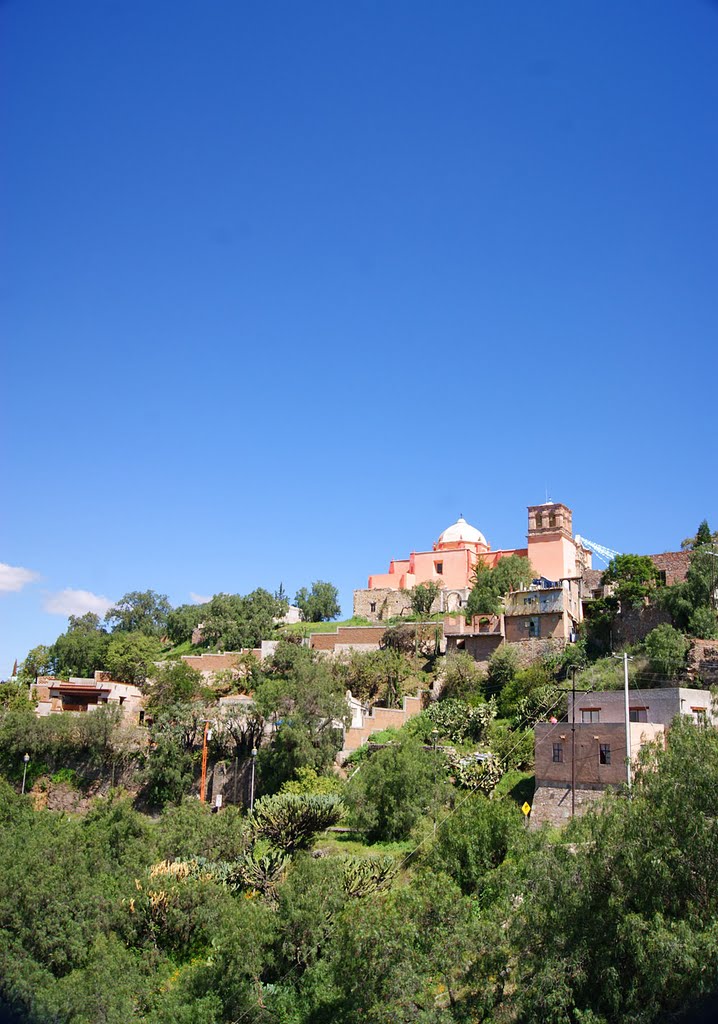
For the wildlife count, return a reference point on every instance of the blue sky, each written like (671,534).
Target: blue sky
(287,287)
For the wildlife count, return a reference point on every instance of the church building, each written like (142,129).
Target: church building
(551,549)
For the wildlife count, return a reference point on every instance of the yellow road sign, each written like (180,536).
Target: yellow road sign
(526,808)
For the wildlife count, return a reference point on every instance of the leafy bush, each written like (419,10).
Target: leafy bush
(513,749)
(503,665)
(392,789)
(308,780)
(703,623)
(474,840)
(460,721)
(666,649)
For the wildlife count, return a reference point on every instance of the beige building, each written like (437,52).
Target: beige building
(81,695)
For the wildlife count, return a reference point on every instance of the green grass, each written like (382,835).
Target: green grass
(353,844)
(305,628)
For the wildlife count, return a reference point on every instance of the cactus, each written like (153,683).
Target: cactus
(366,875)
(291,820)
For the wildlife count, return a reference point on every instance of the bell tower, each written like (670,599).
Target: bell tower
(550,520)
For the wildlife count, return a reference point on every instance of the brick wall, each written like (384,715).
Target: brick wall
(211,663)
(347,635)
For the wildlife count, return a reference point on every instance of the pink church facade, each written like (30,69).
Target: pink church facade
(451,562)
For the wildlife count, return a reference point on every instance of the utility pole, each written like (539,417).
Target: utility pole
(628,722)
(207,736)
(573,741)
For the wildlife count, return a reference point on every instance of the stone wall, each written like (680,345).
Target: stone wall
(703,662)
(552,804)
(634,624)
(674,564)
(232,781)
(380,604)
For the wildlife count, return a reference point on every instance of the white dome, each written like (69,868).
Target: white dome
(462,531)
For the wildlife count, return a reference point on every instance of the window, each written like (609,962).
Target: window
(662,577)
(638,715)
(604,753)
(539,520)
(372,606)
(699,715)
(590,714)
(529,600)
(551,520)
(558,753)
(534,627)
(439,567)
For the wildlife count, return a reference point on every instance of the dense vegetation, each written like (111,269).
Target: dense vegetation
(207,919)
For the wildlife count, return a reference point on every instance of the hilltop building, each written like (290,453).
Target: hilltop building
(551,549)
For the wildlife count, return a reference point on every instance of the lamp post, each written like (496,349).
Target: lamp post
(251,791)
(435,737)
(26,759)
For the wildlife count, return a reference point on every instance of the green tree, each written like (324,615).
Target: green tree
(173,682)
(484,598)
(423,596)
(704,535)
(182,622)
(475,840)
(320,604)
(130,656)
(308,706)
(140,612)
(393,789)
(514,572)
(635,577)
(703,623)
(232,622)
(38,662)
(81,650)
(503,666)
(666,649)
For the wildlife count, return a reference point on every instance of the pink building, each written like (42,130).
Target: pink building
(550,548)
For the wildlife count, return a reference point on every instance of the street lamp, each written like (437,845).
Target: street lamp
(26,759)
(251,791)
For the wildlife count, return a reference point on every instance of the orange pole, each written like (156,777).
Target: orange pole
(203,791)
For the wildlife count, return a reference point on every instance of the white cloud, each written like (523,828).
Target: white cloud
(14,577)
(76,602)
(200,598)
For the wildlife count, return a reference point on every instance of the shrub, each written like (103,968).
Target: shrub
(666,649)
(460,721)
(703,623)
(503,665)
(394,787)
